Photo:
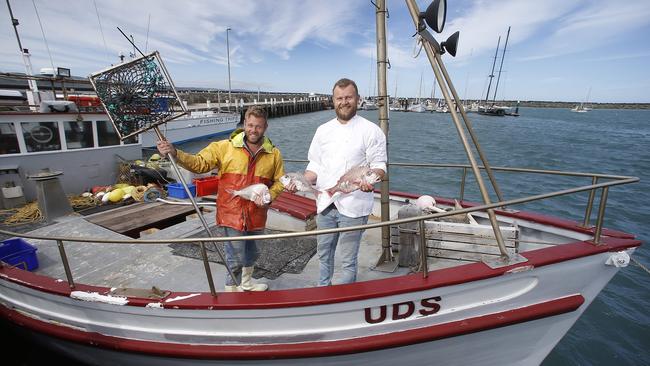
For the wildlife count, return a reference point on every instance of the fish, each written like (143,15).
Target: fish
(349,182)
(300,182)
(353,179)
(253,193)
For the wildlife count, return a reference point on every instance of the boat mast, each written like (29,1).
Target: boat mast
(496,53)
(35,98)
(503,56)
(386,261)
(228,52)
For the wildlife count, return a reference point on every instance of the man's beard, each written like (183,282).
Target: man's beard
(346,115)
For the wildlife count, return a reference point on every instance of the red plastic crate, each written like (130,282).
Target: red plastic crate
(206,186)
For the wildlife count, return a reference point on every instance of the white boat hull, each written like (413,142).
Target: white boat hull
(194,127)
(494,317)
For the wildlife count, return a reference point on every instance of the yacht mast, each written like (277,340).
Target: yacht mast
(503,56)
(496,53)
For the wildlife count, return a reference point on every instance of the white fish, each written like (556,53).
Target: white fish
(299,181)
(349,182)
(253,193)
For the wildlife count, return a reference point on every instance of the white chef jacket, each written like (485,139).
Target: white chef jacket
(338,147)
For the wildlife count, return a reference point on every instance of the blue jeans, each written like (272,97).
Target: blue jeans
(240,253)
(348,242)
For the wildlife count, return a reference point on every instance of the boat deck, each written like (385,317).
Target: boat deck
(146,265)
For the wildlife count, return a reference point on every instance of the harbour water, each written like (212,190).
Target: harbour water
(615,329)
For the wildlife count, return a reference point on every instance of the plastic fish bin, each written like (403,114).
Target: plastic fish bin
(206,186)
(19,253)
(176,190)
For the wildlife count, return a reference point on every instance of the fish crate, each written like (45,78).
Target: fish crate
(19,253)
(206,186)
(176,190)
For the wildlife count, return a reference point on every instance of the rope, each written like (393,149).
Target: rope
(26,214)
(101,30)
(80,202)
(44,39)
(640,265)
(138,193)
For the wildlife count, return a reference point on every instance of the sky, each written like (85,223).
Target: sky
(558,50)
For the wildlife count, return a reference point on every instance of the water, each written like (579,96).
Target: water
(615,329)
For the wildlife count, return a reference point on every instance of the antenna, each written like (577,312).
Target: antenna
(130,41)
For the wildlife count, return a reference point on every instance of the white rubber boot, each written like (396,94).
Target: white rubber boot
(247,281)
(233,288)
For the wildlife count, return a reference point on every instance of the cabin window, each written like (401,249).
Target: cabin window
(131,140)
(106,134)
(8,139)
(41,136)
(78,134)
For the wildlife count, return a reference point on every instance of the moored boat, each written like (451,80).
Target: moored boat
(198,125)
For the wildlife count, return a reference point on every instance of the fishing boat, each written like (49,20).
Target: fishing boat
(57,137)
(581,108)
(461,282)
(196,126)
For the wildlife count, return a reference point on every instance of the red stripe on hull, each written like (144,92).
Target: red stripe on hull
(339,293)
(307,349)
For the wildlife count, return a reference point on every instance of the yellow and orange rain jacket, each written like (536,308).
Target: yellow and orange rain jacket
(238,168)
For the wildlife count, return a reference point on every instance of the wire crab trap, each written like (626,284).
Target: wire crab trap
(138,95)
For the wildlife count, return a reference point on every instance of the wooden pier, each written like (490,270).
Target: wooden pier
(274,107)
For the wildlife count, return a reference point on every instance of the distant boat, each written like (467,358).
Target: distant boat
(417,107)
(367,105)
(492,109)
(198,125)
(580,108)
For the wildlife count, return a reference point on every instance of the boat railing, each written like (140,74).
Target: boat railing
(596,184)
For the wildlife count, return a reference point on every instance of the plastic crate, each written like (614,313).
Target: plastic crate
(19,253)
(206,186)
(176,190)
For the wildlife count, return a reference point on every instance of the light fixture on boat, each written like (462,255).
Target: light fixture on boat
(435,15)
(450,45)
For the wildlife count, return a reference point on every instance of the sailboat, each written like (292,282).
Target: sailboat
(493,109)
(395,105)
(417,107)
(580,108)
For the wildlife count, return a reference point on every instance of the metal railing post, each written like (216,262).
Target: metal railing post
(601,215)
(462,184)
(423,250)
(66,265)
(590,203)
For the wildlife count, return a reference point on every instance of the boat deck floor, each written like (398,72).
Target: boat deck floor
(146,265)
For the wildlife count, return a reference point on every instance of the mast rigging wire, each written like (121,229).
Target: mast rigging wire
(101,30)
(44,38)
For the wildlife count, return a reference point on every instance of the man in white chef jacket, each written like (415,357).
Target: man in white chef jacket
(344,142)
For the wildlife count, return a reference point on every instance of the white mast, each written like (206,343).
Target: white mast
(33,97)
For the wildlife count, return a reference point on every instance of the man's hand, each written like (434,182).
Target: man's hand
(165,147)
(259,201)
(367,187)
(291,187)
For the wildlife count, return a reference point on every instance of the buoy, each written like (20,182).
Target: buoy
(116,195)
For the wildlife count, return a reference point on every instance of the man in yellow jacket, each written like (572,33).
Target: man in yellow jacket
(247,158)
